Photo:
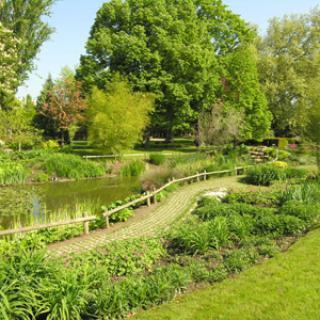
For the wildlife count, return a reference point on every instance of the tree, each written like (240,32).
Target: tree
(289,63)
(61,105)
(169,48)
(24,19)
(9,63)
(241,92)
(16,127)
(220,126)
(118,117)
(42,119)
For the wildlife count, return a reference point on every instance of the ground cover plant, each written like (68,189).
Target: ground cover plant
(218,239)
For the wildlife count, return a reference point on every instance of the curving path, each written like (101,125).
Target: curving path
(147,221)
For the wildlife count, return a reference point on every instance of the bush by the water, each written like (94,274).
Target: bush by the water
(71,167)
(11,173)
(132,169)
(157,158)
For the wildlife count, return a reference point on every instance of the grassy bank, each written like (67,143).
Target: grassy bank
(285,287)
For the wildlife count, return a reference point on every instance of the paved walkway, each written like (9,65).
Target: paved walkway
(147,221)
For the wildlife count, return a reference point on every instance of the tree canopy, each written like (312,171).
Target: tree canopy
(118,116)
(175,50)
(24,19)
(289,63)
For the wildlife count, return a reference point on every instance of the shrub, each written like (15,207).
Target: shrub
(264,175)
(239,260)
(132,169)
(71,166)
(157,158)
(122,215)
(12,173)
(263,199)
(50,145)
(297,173)
(307,213)
(126,257)
(280,164)
(290,225)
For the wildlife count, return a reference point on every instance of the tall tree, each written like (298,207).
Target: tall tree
(240,91)
(9,63)
(24,19)
(118,117)
(42,120)
(169,48)
(289,63)
(61,105)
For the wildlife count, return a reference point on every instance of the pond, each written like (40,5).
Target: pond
(32,204)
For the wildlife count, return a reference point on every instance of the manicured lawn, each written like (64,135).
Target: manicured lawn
(286,287)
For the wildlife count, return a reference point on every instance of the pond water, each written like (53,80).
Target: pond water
(31,204)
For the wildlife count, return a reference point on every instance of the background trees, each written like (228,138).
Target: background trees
(289,63)
(175,50)
(118,116)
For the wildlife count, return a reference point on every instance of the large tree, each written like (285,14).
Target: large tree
(289,63)
(24,19)
(171,48)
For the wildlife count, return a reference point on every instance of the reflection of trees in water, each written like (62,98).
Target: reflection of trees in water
(16,207)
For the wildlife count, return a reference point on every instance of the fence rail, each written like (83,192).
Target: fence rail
(145,199)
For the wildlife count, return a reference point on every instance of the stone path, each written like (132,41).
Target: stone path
(152,221)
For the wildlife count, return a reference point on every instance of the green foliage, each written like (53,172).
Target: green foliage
(184,71)
(157,158)
(238,260)
(117,116)
(71,166)
(265,175)
(26,15)
(12,173)
(289,60)
(263,199)
(122,215)
(132,169)
(128,257)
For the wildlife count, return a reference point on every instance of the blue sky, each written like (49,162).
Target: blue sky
(73,19)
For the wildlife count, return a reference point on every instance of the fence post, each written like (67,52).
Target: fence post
(148,199)
(198,177)
(107,220)
(154,197)
(205,175)
(86,228)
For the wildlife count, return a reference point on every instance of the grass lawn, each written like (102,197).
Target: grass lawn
(286,287)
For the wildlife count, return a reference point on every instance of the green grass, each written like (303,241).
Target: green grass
(286,287)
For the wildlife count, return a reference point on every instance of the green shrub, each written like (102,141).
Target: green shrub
(291,226)
(122,215)
(132,169)
(157,158)
(296,173)
(263,199)
(71,166)
(238,260)
(126,257)
(306,212)
(264,175)
(12,173)
(41,177)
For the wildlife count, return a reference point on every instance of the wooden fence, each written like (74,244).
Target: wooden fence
(146,199)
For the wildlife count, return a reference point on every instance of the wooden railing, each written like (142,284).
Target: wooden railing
(148,198)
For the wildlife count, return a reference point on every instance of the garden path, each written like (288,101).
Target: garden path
(147,221)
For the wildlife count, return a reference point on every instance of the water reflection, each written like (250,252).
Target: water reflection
(23,205)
